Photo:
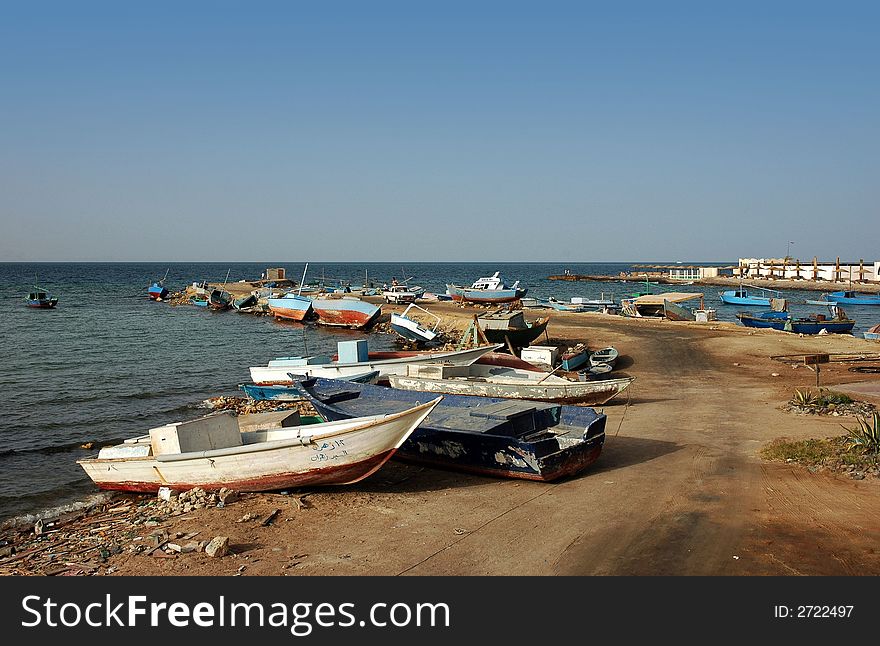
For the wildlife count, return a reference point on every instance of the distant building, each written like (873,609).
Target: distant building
(687,272)
(794,269)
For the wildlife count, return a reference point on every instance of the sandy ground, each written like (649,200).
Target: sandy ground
(679,489)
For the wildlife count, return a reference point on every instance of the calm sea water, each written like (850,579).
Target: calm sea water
(108,363)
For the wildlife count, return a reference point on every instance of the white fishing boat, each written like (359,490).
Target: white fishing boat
(213,452)
(509,383)
(278,370)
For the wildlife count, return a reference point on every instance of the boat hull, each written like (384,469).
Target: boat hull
(157,291)
(464,294)
(345,312)
(572,392)
(573,361)
(342,457)
(518,337)
(798,326)
(471,434)
(292,392)
(840,298)
(872,336)
(43,305)
(290,308)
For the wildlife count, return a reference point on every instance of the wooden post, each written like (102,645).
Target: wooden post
(815,267)
(837,270)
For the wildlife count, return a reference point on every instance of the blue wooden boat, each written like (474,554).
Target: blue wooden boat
(490,436)
(852,298)
(199,300)
(157,290)
(743,296)
(812,324)
(292,392)
(873,334)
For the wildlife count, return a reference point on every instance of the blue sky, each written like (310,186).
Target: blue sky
(408,131)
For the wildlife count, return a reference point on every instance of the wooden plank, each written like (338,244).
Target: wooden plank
(814,359)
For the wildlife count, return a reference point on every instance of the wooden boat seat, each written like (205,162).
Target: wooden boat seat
(339,395)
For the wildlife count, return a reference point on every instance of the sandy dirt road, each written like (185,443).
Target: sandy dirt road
(679,489)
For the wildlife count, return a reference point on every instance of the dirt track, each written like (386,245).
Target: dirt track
(679,488)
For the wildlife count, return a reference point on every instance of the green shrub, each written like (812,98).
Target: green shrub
(866,436)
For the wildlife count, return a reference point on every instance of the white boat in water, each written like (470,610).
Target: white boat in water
(213,452)
(509,383)
(278,371)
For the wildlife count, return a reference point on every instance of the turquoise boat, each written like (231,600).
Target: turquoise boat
(852,298)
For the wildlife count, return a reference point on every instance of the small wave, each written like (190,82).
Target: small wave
(57,510)
(62,448)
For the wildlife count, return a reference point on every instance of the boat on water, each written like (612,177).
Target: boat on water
(508,383)
(346,311)
(489,289)
(749,295)
(812,324)
(497,437)
(291,392)
(873,333)
(41,299)
(409,328)
(278,370)
(511,327)
(157,290)
(213,452)
(851,298)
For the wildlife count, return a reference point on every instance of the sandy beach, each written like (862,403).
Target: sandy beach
(679,489)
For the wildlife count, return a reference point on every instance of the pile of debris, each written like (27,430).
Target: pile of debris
(246,406)
(82,541)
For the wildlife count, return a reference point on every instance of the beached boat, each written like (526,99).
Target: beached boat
(291,392)
(508,383)
(748,295)
(812,324)
(660,305)
(199,300)
(278,370)
(607,355)
(489,289)
(873,333)
(347,311)
(291,307)
(409,328)
(41,299)
(851,298)
(245,302)
(496,437)
(511,328)
(574,358)
(219,299)
(213,452)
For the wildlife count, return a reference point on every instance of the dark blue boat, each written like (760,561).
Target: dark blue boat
(812,324)
(497,437)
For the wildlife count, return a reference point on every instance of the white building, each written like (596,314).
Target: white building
(790,268)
